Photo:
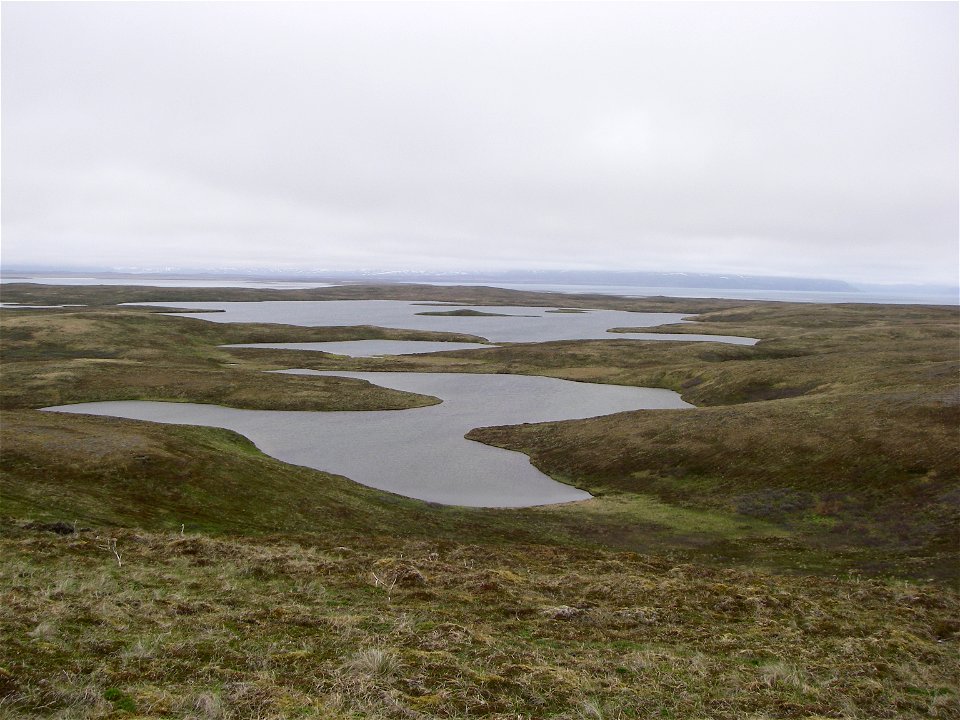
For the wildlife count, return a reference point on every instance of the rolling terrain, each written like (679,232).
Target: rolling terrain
(788,549)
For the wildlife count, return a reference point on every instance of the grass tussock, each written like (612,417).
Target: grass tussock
(231,627)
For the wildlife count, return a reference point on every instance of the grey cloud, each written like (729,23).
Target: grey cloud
(780,138)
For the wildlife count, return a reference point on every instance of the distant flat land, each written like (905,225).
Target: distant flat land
(788,549)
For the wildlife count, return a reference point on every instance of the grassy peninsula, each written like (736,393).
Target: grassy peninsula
(789,549)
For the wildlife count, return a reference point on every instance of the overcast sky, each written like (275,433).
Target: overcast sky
(812,139)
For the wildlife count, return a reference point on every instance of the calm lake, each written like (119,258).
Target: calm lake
(421,452)
(515,324)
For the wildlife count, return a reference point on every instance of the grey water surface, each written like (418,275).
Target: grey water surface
(421,452)
(520,325)
(367,348)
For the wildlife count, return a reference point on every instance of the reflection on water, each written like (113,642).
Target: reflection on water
(420,453)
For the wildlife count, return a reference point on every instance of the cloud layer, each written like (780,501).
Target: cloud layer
(783,138)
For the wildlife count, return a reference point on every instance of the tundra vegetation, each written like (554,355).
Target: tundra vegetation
(789,549)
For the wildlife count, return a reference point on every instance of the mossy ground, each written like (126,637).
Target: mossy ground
(787,550)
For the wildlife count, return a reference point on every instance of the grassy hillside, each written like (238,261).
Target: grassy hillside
(787,550)
(840,426)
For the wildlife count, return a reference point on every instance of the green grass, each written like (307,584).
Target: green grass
(789,549)
(391,628)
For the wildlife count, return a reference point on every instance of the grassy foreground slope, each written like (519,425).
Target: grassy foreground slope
(284,627)
(830,446)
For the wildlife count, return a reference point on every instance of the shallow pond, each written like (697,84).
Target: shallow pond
(421,452)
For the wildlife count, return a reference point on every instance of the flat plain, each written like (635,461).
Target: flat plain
(788,549)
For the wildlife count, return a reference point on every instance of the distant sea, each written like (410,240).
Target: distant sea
(891,296)
(873,295)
